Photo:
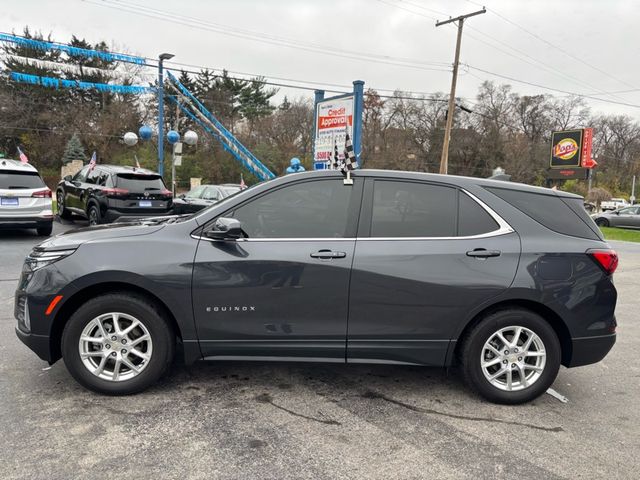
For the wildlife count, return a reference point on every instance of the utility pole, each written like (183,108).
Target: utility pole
(173,158)
(444,159)
(161,58)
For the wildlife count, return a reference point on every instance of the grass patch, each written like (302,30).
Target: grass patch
(623,234)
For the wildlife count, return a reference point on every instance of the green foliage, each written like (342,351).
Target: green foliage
(622,234)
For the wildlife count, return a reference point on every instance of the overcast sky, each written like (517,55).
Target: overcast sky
(600,40)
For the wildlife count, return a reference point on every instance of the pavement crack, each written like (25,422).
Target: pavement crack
(375,395)
(266,398)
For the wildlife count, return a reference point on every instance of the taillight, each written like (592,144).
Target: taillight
(166,193)
(46,193)
(115,192)
(607,259)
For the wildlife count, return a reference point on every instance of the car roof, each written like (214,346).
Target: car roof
(125,169)
(456,180)
(16,165)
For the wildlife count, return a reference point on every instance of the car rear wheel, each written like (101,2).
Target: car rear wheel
(93,214)
(45,231)
(117,344)
(512,356)
(602,222)
(62,211)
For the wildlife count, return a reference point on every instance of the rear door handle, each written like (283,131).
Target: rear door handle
(483,253)
(328,254)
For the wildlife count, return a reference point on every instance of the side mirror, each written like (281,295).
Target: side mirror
(67,178)
(617,212)
(225,229)
(182,195)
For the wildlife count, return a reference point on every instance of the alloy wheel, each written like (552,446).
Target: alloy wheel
(115,346)
(513,358)
(93,217)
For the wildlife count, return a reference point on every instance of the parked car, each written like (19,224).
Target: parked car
(201,197)
(505,280)
(25,200)
(628,217)
(590,207)
(614,204)
(108,192)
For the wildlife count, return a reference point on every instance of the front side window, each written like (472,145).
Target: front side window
(211,193)
(411,209)
(628,211)
(316,209)
(81,176)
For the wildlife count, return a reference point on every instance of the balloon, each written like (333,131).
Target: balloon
(145,132)
(173,136)
(190,137)
(130,139)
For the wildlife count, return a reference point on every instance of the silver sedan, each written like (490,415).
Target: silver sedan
(627,217)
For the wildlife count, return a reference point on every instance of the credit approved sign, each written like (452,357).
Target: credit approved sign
(334,118)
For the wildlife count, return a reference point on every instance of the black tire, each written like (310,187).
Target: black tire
(62,211)
(602,222)
(93,214)
(160,331)
(45,231)
(471,352)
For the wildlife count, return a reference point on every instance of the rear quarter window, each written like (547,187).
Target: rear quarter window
(554,212)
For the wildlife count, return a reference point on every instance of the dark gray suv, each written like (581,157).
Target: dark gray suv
(506,281)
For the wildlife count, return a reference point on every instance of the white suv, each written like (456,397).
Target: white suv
(25,200)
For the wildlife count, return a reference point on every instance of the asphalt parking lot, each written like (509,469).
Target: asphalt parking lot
(277,421)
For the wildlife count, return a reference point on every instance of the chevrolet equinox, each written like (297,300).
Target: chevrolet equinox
(505,281)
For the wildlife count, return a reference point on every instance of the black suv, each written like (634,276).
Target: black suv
(506,281)
(106,193)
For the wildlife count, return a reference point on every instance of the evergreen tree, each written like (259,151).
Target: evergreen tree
(74,150)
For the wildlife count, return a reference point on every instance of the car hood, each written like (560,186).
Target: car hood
(75,238)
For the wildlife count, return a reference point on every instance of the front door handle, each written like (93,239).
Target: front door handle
(483,253)
(325,254)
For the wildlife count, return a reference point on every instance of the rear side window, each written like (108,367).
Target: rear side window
(554,212)
(139,183)
(20,180)
(407,209)
(472,218)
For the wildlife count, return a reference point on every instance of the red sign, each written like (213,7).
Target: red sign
(334,121)
(585,156)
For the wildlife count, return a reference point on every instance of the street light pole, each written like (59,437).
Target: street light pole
(444,159)
(161,58)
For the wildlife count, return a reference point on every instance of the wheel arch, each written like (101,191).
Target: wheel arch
(98,289)
(544,311)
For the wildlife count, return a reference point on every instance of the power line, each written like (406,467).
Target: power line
(265,38)
(520,53)
(560,49)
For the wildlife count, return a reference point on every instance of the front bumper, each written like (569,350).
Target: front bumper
(38,343)
(588,350)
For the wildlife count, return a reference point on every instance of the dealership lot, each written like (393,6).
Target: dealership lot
(245,420)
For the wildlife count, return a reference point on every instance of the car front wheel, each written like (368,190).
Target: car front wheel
(602,222)
(117,344)
(62,211)
(512,356)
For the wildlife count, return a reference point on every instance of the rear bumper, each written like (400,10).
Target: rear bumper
(112,215)
(26,222)
(588,350)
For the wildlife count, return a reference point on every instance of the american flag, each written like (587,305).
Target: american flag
(350,162)
(23,157)
(92,162)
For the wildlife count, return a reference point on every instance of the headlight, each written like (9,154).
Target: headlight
(39,258)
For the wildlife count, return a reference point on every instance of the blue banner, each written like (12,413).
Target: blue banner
(62,83)
(74,51)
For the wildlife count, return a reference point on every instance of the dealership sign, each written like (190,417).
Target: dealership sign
(334,119)
(572,149)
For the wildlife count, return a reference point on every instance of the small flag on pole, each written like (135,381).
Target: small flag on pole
(23,157)
(92,162)
(137,162)
(242,184)
(349,157)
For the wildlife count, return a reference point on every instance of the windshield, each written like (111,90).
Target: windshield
(225,200)
(195,192)
(20,180)
(139,183)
